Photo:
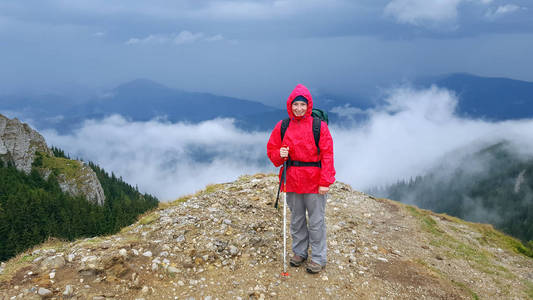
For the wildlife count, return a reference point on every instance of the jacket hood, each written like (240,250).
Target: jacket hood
(300,90)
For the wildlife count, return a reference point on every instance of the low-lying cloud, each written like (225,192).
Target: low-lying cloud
(401,139)
(183,37)
(164,159)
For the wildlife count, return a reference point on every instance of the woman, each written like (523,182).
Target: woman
(307,182)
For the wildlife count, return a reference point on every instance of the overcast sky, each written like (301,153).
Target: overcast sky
(259,50)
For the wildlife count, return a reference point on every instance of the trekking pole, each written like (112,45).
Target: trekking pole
(285,274)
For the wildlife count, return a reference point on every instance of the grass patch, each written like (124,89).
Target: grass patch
(15,264)
(465,287)
(491,235)
(53,243)
(427,222)
(127,239)
(71,169)
(177,201)
(150,218)
(59,165)
(27,258)
(244,177)
(432,270)
(529,289)
(91,241)
(211,188)
(262,175)
(126,229)
(476,257)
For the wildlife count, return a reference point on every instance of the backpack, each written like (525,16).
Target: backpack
(318,116)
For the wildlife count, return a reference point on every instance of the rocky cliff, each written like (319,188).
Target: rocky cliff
(19,142)
(22,146)
(226,243)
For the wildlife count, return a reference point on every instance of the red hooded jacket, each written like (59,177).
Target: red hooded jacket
(301,142)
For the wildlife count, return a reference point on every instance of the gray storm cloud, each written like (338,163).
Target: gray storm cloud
(259,49)
(405,137)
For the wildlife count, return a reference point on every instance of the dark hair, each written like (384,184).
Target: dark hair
(300,98)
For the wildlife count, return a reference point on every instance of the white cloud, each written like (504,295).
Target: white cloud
(99,34)
(402,139)
(507,9)
(418,11)
(410,134)
(164,159)
(347,111)
(215,38)
(187,37)
(151,39)
(502,10)
(269,9)
(183,37)
(424,12)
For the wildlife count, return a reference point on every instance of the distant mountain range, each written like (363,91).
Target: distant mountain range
(494,99)
(142,100)
(137,100)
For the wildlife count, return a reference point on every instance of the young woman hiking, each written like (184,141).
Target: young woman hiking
(310,172)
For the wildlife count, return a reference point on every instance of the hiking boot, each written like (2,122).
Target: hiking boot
(296,261)
(313,267)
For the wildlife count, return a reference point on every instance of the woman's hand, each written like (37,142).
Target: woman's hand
(322,190)
(284,152)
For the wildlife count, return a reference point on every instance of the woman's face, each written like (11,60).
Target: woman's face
(299,108)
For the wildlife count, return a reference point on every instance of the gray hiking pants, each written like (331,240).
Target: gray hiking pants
(311,230)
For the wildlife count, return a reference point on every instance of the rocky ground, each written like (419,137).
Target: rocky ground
(226,243)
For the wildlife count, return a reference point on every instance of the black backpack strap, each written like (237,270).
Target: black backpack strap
(317,123)
(284,126)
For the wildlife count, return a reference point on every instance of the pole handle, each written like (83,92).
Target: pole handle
(285,146)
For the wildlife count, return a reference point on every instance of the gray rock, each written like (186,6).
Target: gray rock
(233,250)
(123,252)
(19,142)
(44,292)
(173,270)
(85,184)
(68,291)
(53,262)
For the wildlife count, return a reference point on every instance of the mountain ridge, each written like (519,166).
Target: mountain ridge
(489,98)
(225,242)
